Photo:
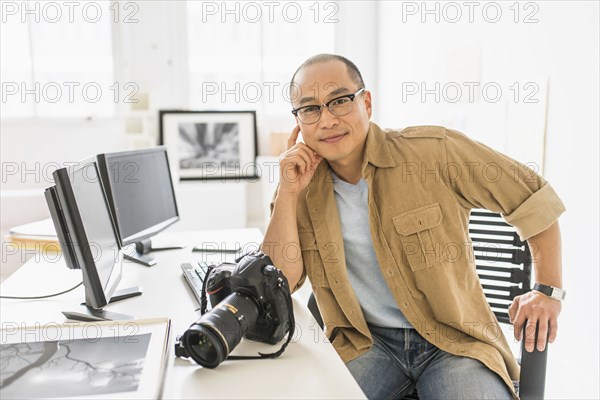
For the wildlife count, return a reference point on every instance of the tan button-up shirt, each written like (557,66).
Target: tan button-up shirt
(423,182)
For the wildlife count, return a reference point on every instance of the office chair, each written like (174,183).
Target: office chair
(503,264)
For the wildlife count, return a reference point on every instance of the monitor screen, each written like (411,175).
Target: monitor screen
(140,191)
(80,211)
(95,217)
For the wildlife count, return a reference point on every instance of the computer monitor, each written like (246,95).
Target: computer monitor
(88,237)
(141,197)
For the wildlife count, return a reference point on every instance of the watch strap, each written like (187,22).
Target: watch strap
(551,291)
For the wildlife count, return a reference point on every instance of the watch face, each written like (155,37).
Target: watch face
(558,293)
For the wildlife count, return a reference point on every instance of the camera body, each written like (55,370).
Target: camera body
(251,299)
(255,277)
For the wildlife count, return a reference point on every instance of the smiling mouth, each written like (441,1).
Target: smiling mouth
(334,139)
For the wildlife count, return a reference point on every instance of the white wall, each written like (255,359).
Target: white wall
(151,54)
(561,48)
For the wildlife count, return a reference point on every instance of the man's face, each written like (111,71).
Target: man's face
(338,139)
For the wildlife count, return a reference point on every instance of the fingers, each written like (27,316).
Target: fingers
(308,152)
(530,335)
(518,323)
(512,310)
(533,310)
(297,161)
(553,330)
(293,137)
(512,314)
(304,157)
(291,143)
(542,334)
(302,151)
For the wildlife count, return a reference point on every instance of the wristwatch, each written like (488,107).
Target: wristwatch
(551,291)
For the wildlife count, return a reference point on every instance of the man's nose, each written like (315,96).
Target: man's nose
(327,118)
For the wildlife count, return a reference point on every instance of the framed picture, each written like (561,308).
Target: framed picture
(210,144)
(124,359)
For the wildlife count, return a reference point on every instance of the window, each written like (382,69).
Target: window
(57,59)
(243,54)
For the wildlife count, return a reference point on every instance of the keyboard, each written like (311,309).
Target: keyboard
(194,276)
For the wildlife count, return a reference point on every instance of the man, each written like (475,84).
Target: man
(373,213)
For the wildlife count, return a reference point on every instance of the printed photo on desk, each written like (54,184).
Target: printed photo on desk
(109,359)
(210,144)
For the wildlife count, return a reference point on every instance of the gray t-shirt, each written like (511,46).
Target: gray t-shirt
(374,295)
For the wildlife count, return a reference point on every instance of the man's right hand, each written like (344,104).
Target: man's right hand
(297,165)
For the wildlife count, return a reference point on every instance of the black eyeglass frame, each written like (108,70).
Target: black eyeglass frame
(352,96)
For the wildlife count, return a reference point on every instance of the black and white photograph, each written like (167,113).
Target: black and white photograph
(72,368)
(210,144)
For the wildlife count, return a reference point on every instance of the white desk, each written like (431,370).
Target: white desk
(309,368)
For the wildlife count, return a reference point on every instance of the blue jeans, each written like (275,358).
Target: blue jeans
(401,361)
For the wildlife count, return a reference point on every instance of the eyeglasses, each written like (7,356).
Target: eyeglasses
(339,106)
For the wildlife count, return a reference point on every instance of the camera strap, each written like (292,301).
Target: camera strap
(203,299)
(288,300)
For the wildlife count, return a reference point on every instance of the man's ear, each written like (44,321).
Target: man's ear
(368,104)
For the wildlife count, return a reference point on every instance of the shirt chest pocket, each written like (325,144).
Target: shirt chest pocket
(422,236)
(312,259)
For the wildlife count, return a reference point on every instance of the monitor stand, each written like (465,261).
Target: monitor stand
(90,314)
(143,247)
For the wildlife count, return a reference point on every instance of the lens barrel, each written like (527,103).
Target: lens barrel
(210,340)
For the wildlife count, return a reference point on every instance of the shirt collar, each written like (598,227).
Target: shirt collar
(376,149)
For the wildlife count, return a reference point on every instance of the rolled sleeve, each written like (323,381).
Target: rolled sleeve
(524,198)
(536,213)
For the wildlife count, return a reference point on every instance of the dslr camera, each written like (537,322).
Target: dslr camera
(250,299)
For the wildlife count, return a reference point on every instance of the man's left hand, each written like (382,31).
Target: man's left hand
(535,308)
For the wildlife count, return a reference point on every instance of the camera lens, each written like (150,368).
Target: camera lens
(211,339)
(203,346)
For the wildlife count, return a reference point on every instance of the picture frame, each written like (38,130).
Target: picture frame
(123,359)
(210,145)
